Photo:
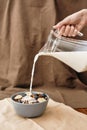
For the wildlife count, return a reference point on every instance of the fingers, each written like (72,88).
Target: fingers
(59,25)
(69,31)
(80,26)
(62,30)
(75,32)
(64,22)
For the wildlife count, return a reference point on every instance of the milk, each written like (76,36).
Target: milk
(76,60)
(32,73)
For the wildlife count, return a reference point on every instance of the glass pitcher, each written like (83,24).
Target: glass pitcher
(72,52)
(56,43)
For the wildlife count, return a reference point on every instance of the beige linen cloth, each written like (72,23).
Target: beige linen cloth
(56,117)
(24,28)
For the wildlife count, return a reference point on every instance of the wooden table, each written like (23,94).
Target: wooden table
(82,110)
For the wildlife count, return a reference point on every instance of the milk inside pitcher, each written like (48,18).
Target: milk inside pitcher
(72,52)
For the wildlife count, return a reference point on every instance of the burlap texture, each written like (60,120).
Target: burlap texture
(24,28)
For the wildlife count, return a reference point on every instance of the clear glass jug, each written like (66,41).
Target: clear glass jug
(56,43)
(72,52)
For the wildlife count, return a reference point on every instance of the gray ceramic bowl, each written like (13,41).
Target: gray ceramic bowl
(29,110)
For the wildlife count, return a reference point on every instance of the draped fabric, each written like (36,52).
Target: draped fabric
(24,28)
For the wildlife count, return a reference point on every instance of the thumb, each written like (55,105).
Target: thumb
(58,25)
(66,21)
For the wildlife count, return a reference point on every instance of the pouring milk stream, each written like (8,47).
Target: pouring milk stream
(70,51)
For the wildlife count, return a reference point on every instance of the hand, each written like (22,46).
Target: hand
(72,24)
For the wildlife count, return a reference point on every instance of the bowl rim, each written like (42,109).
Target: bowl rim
(28,104)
